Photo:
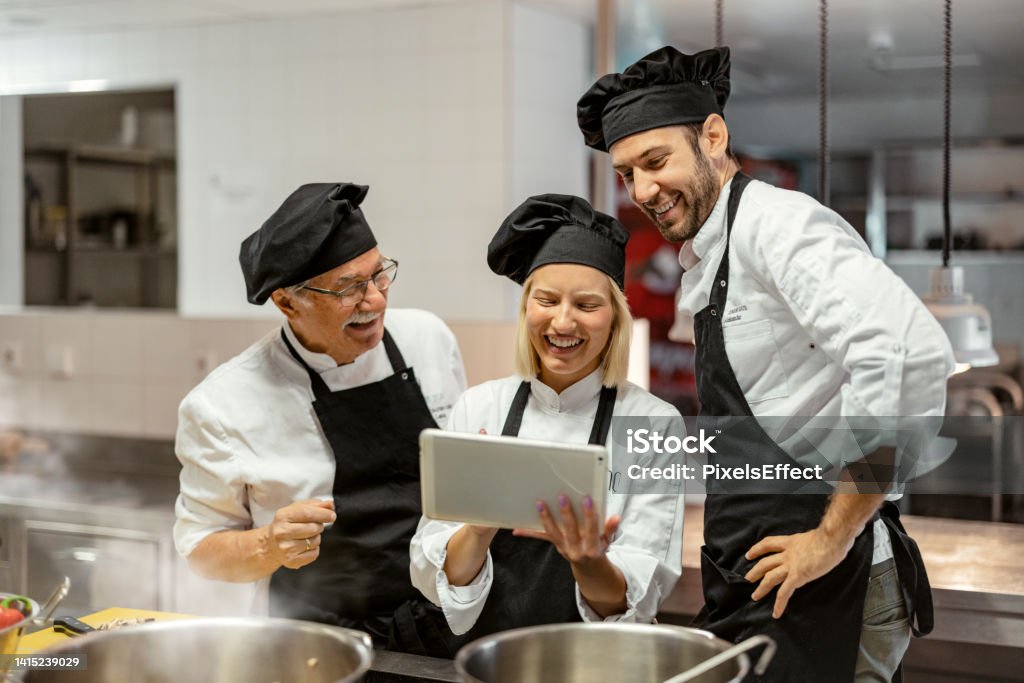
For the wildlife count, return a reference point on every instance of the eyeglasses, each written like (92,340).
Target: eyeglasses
(355,292)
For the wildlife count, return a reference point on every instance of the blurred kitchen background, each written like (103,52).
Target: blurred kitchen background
(141,140)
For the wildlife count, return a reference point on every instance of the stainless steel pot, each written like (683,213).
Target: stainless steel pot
(589,653)
(10,635)
(224,650)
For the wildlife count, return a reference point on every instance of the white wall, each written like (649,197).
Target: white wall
(413,102)
(548,71)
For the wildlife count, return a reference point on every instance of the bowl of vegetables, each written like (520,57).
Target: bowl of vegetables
(16,612)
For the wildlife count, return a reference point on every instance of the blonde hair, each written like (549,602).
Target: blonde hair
(614,358)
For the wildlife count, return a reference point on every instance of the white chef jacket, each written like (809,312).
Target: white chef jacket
(647,548)
(814,324)
(248,437)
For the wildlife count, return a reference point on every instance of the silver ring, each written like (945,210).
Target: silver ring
(309,546)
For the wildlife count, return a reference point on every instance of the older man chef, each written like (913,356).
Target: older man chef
(793,317)
(300,455)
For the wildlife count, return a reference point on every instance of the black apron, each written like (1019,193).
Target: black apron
(532,583)
(819,633)
(362,574)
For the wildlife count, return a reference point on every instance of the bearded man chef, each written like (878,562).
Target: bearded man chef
(300,455)
(792,317)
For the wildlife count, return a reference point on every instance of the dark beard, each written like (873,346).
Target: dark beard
(699,199)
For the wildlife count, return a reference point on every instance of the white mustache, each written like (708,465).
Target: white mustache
(361,318)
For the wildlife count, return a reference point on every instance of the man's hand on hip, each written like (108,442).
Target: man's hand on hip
(293,538)
(790,562)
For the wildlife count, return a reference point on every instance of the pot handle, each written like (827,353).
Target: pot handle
(58,595)
(731,653)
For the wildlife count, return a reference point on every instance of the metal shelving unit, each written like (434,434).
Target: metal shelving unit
(80,263)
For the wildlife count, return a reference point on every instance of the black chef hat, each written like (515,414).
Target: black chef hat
(557,228)
(318,227)
(665,88)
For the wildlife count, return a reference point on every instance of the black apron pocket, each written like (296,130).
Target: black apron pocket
(420,628)
(725,591)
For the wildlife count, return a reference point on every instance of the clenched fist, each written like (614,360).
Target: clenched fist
(293,538)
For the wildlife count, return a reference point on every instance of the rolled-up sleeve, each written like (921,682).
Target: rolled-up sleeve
(212,496)
(461,605)
(859,311)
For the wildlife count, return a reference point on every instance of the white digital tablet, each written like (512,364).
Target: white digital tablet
(497,480)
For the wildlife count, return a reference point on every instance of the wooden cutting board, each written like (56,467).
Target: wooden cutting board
(41,639)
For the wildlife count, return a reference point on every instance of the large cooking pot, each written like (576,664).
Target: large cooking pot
(592,653)
(222,650)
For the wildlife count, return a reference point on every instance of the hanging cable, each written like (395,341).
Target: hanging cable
(947,237)
(719,22)
(823,161)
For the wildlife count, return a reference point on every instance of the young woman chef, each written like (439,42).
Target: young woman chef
(572,353)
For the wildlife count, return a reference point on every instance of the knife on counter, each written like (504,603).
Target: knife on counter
(71,626)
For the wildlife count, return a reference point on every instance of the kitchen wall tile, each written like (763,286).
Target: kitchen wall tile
(486,348)
(172,355)
(216,341)
(117,345)
(63,405)
(160,407)
(166,347)
(18,398)
(21,335)
(67,336)
(116,407)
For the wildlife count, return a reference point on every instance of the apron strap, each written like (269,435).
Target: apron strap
(603,419)
(317,382)
(738,184)
(515,413)
(394,355)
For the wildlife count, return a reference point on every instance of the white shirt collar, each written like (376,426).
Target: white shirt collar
(320,362)
(713,229)
(579,396)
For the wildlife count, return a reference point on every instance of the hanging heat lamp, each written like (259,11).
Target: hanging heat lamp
(967,324)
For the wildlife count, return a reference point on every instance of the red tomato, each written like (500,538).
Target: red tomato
(9,616)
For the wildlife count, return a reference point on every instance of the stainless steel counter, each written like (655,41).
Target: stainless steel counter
(68,511)
(977,584)
(395,667)
(97,510)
